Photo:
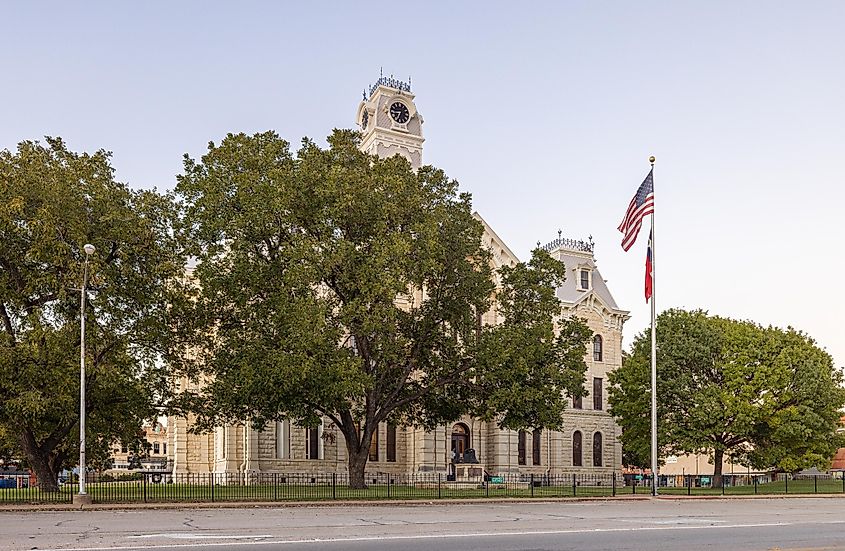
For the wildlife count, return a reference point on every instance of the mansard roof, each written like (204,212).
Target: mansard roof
(569,293)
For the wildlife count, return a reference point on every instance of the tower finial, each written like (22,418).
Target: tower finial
(559,233)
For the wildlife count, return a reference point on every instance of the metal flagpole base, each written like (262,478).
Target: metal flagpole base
(82,499)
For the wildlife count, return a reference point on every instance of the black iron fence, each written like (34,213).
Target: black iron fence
(160,487)
(739,484)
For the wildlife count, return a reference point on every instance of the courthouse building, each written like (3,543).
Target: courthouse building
(589,442)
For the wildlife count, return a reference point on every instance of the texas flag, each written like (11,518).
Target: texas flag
(649,281)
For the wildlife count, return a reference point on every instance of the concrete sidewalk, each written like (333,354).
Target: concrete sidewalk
(386,503)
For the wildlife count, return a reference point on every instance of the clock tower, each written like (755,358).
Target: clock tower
(389,121)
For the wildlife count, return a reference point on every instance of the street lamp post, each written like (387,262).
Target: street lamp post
(83,497)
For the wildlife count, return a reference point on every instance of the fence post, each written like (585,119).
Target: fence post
(439,494)
(689,484)
(334,485)
(614,484)
(573,485)
(786,482)
(634,486)
(145,487)
(755,485)
(388,484)
(843,483)
(531,482)
(723,484)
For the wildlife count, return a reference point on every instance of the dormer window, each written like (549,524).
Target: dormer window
(584,279)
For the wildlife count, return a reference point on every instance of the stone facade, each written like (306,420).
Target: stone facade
(389,129)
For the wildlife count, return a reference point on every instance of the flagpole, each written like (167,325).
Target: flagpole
(653,354)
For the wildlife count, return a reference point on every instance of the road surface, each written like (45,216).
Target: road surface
(652,524)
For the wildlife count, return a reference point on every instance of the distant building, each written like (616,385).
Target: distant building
(156,457)
(838,463)
(13,476)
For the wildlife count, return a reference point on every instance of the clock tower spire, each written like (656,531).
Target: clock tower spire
(389,121)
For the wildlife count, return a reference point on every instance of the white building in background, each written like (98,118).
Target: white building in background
(589,442)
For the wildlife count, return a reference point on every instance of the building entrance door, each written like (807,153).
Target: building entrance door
(460,442)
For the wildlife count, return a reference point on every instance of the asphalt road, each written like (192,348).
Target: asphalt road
(653,524)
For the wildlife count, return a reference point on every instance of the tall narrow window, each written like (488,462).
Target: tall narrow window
(597,393)
(391,443)
(220,442)
(312,443)
(585,279)
(597,449)
(155,447)
(578,402)
(164,448)
(283,439)
(576,449)
(597,348)
(521,447)
(374,446)
(535,446)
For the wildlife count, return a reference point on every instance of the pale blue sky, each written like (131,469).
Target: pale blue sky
(546,112)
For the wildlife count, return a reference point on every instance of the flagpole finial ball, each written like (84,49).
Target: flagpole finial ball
(651,159)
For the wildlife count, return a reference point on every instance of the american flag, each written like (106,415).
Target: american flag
(641,205)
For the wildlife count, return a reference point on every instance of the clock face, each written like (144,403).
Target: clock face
(365,119)
(399,112)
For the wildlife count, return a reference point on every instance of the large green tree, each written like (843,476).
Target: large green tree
(335,284)
(763,395)
(52,202)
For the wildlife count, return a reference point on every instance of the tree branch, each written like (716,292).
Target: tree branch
(7,323)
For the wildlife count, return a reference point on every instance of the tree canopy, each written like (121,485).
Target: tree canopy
(336,284)
(763,395)
(52,202)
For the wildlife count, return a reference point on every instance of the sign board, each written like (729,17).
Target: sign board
(497,479)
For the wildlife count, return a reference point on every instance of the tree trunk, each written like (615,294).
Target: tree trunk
(45,472)
(356,467)
(718,456)
(356,451)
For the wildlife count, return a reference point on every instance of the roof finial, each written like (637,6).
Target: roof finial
(381,71)
(559,233)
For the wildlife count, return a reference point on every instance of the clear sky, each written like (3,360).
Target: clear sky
(545,111)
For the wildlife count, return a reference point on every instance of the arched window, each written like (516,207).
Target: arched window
(597,449)
(597,348)
(576,449)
